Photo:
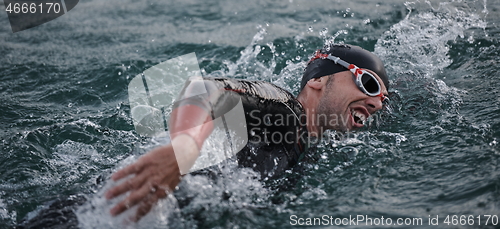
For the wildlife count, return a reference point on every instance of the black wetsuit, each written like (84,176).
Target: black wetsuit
(276,130)
(275,120)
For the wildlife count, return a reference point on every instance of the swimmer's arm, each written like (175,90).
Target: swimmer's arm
(190,126)
(159,171)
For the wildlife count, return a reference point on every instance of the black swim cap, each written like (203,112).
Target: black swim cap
(349,53)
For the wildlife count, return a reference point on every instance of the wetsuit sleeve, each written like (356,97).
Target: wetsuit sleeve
(210,95)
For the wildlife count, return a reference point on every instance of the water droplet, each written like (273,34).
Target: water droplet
(470,40)
(323,32)
(267,120)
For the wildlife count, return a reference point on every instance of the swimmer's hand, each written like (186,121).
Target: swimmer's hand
(156,174)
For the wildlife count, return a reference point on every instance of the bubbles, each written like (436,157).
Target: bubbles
(349,152)
(397,136)
(314,194)
(235,191)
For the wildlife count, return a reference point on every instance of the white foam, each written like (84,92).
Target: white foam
(242,184)
(419,43)
(6,214)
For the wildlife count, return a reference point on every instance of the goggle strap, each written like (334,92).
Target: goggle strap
(335,59)
(339,61)
(318,55)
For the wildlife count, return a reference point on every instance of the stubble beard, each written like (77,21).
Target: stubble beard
(326,111)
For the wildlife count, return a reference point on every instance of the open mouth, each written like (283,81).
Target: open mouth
(359,117)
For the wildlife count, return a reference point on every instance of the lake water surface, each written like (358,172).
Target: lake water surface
(65,122)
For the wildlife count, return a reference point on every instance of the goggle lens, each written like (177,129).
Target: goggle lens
(370,83)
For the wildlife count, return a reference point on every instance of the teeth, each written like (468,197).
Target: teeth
(359,117)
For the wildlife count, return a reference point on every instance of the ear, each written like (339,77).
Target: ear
(317,83)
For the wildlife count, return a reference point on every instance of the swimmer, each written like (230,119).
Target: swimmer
(341,87)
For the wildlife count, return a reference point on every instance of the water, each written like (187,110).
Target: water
(66,125)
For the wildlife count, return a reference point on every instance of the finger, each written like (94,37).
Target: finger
(130,169)
(130,184)
(134,198)
(145,207)
(162,193)
(120,207)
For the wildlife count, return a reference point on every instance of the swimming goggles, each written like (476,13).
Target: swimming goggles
(365,81)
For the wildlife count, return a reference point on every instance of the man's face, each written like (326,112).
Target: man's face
(345,105)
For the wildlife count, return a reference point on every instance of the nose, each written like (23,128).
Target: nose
(374,103)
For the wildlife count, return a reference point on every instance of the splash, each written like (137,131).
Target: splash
(234,189)
(247,66)
(95,212)
(422,39)
(5,214)
(416,53)
(261,61)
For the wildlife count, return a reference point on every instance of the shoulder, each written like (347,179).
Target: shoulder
(261,89)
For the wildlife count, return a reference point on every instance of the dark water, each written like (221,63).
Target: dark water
(65,120)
